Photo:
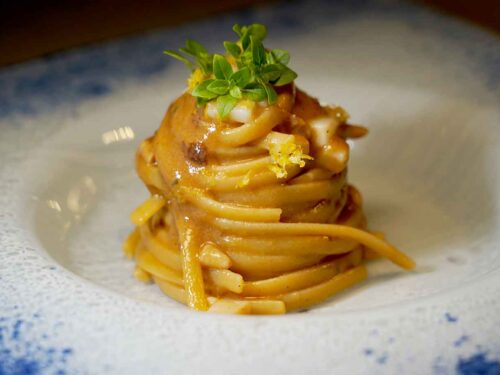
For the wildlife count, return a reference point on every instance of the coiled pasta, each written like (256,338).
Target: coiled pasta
(254,217)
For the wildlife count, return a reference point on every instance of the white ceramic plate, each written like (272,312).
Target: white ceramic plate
(429,90)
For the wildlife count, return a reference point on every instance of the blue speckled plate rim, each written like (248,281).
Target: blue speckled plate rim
(69,79)
(74,76)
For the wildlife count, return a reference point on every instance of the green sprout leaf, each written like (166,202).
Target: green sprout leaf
(258,31)
(235,92)
(218,86)
(246,59)
(287,76)
(233,49)
(225,104)
(202,91)
(222,69)
(281,56)
(255,94)
(242,77)
(258,51)
(203,58)
(179,57)
(271,72)
(201,101)
(272,96)
(245,40)
(237,30)
(195,48)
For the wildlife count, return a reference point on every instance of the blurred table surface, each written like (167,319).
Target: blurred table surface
(29,29)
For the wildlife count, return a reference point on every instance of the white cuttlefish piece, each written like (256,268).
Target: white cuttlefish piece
(323,129)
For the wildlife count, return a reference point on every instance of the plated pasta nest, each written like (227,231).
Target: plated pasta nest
(250,211)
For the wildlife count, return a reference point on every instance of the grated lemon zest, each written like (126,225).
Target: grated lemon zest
(286,154)
(195,78)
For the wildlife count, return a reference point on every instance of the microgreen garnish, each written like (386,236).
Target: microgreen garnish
(247,71)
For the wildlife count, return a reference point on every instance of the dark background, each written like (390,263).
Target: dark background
(29,29)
